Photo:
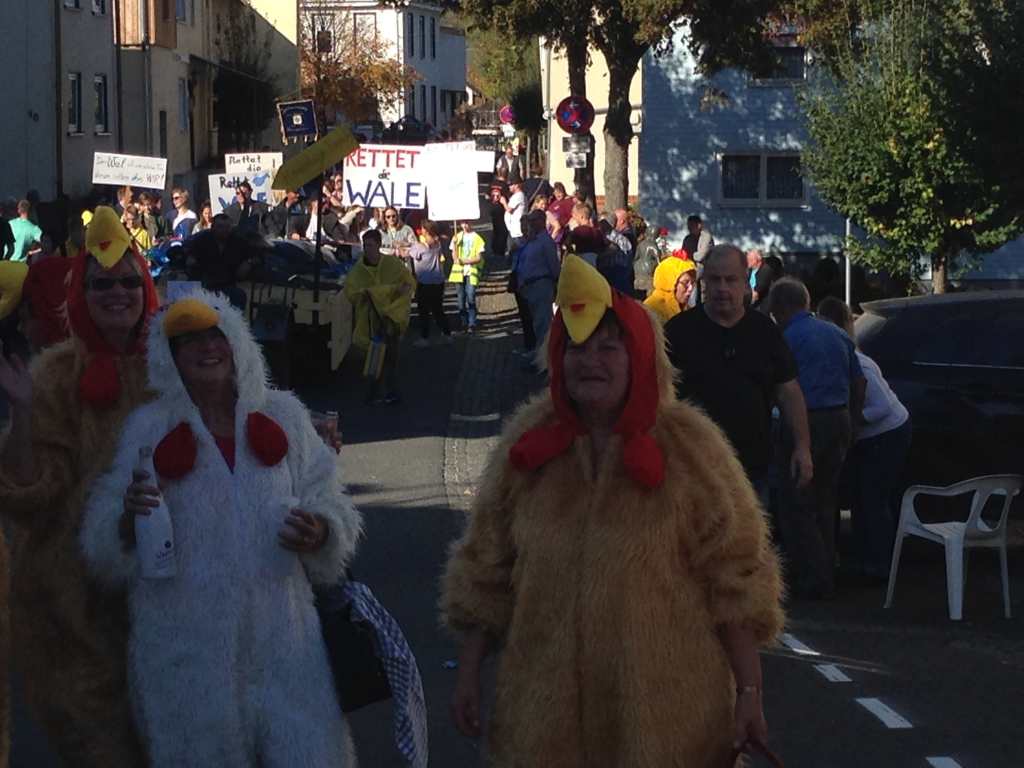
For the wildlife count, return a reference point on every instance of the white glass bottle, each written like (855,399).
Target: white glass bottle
(154,535)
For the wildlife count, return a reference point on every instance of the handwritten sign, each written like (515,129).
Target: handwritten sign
(222,188)
(133,170)
(251,163)
(378,175)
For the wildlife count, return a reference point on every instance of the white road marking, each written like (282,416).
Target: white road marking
(943,762)
(832,673)
(483,418)
(890,718)
(796,646)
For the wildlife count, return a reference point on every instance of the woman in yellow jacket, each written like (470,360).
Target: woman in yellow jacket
(467,264)
(674,282)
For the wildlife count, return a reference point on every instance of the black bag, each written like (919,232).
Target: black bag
(359,676)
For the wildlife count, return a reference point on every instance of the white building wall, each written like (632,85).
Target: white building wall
(29,128)
(681,146)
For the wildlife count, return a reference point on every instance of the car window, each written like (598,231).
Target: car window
(976,334)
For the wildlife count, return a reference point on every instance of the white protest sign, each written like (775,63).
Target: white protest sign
(133,170)
(452,189)
(252,163)
(378,175)
(222,189)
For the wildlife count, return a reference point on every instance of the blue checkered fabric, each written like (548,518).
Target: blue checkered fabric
(410,708)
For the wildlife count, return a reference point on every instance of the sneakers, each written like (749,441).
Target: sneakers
(421,343)
(393,399)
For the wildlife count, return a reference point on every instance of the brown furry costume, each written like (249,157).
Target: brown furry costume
(606,596)
(69,636)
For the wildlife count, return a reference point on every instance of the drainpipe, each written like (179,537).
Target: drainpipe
(59,102)
(117,71)
(547,107)
(147,107)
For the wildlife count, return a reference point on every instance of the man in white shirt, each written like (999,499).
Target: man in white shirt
(515,208)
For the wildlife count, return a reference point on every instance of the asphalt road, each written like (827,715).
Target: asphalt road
(933,692)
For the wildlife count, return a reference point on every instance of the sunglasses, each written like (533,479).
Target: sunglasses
(129,283)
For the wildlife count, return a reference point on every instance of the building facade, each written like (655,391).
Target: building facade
(416,36)
(728,148)
(554,74)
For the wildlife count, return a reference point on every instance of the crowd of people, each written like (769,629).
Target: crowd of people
(631,334)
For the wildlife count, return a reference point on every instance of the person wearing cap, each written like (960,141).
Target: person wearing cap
(260,517)
(619,558)
(674,281)
(68,633)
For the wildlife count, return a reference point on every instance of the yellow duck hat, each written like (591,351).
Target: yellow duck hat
(189,316)
(106,237)
(12,281)
(583,297)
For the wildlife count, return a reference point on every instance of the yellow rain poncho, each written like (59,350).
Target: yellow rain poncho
(381,285)
(663,298)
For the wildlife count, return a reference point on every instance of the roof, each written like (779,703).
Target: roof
(885,306)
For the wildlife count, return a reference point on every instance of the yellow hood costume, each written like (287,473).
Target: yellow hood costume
(606,586)
(378,288)
(663,296)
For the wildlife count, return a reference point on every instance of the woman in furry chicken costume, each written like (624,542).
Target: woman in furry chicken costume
(69,636)
(618,554)
(227,665)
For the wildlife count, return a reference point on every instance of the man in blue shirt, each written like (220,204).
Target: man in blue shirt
(833,386)
(537,268)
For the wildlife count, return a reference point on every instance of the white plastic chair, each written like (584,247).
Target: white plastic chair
(959,538)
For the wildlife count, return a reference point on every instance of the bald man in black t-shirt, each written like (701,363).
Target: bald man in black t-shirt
(736,365)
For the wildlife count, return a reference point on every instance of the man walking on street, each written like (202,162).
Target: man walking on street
(537,270)
(736,365)
(698,243)
(509,164)
(761,277)
(833,385)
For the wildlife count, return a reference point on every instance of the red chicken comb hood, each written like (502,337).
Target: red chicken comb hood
(641,455)
(100,385)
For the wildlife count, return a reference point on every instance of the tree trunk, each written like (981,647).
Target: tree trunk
(618,134)
(940,272)
(576,55)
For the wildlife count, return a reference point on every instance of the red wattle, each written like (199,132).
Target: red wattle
(266,438)
(175,455)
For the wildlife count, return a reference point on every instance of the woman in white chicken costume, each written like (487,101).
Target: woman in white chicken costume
(227,666)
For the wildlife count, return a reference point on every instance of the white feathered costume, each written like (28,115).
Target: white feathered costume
(226,662)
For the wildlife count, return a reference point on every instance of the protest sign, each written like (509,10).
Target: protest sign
(379,175)
(452,191)
(222,189)
(133,170)
(252,163)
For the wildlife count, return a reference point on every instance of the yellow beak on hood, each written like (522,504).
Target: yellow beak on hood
(106,237)
(189,316)
(12,280)
(583,296)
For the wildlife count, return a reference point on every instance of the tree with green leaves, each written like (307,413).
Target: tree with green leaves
(915,135)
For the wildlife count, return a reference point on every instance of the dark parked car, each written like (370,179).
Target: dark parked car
(957,363)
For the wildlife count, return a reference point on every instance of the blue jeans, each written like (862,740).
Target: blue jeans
(466,293)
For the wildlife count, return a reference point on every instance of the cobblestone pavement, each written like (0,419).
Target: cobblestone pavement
(490,385)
